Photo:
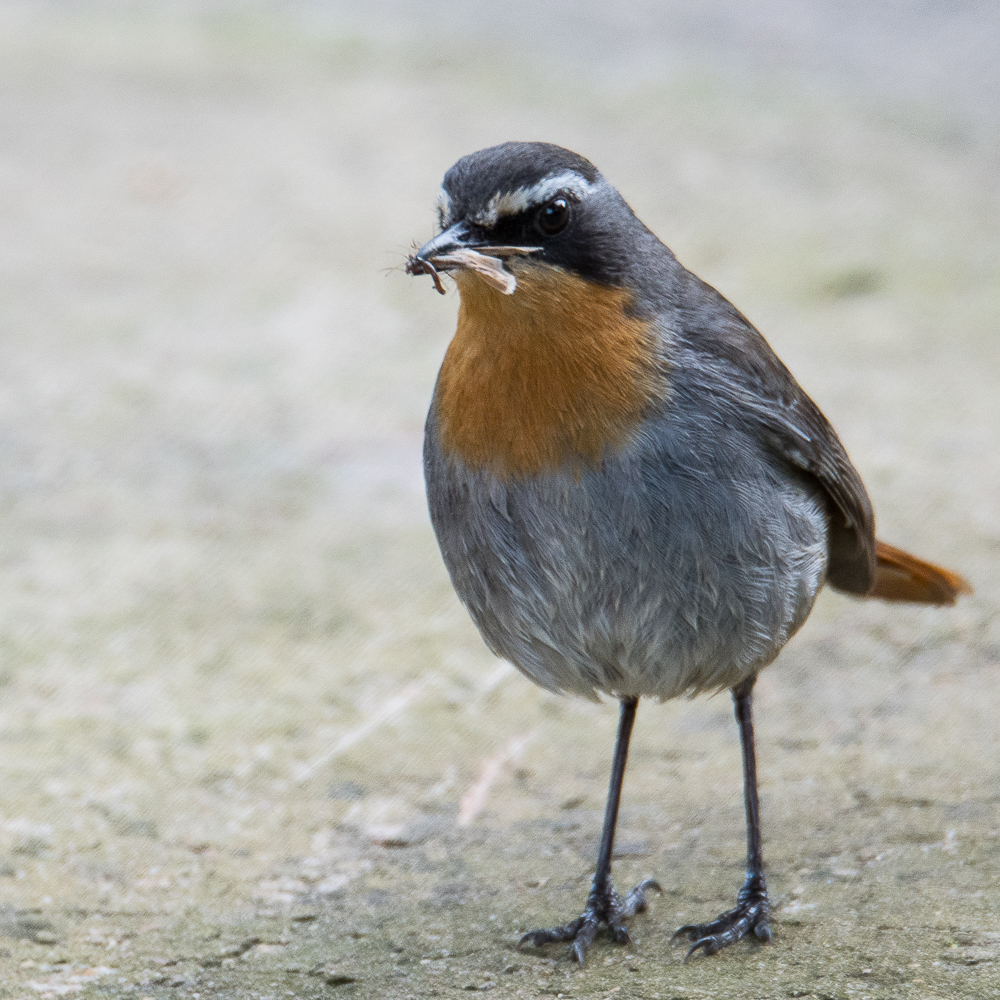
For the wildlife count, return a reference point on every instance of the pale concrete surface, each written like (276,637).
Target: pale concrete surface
(252,745)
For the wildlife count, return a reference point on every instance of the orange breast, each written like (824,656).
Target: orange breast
(550,377)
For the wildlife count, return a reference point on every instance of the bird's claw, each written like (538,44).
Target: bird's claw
(603,906)
(752,912)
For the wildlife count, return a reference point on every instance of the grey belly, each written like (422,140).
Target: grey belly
(676,567)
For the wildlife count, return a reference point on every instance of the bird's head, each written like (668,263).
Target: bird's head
(529,208)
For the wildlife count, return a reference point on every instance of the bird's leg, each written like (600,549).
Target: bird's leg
(604,905)
(752,908)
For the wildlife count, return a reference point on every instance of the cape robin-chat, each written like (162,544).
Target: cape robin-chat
(632,494)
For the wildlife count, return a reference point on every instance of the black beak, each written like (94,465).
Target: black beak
(456,237)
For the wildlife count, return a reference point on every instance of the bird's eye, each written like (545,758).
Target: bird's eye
(553,217)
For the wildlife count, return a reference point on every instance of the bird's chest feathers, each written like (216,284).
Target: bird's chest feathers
(553,376)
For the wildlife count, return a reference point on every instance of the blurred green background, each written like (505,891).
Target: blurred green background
(251,744)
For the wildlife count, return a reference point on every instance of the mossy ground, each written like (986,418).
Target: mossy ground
(246,725)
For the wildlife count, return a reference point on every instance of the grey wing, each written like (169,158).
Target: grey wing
(749,381)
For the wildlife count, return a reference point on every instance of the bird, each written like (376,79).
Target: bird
(632,495)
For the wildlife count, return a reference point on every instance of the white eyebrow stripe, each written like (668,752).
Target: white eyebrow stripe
(523,198)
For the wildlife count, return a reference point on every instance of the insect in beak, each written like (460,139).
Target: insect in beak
(487,262)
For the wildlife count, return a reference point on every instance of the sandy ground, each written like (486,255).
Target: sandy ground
(252,746)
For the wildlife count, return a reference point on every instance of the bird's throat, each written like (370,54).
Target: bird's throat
(551,377)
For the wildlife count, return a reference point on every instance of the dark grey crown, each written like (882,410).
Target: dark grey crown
(512,166)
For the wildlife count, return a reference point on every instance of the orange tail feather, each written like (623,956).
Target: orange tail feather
(902,577)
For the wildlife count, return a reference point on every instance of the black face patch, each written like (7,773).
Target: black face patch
(594,243)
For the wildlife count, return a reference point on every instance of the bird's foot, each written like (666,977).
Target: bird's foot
(604,906)
(752,913)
